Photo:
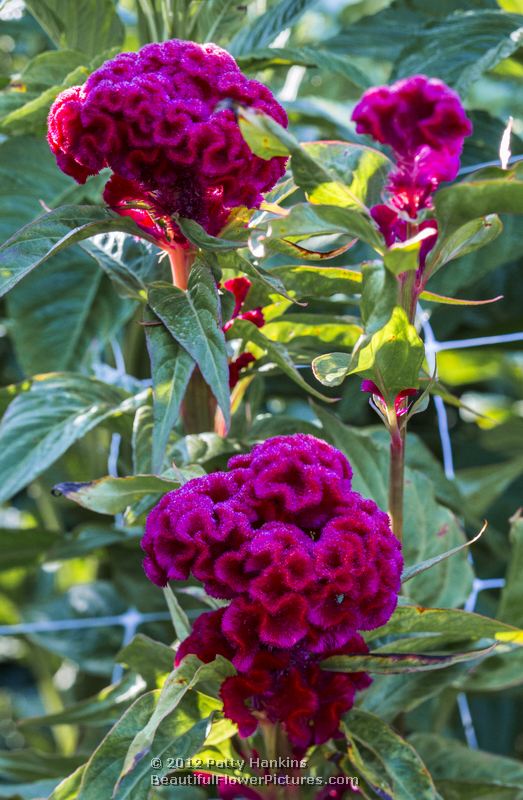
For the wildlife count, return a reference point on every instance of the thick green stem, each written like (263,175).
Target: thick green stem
(397,479)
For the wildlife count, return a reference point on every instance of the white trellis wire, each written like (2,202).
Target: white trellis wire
(432,347)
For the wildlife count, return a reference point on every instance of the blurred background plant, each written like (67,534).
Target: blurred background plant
(58,561)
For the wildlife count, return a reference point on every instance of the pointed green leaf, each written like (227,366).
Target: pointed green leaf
(491,191)
(52,232)
(393,357)
(306,221)
(147,657)
(396,663)
(469,237)
(398,770)
(171,370)
(275,352)
(193,320)
(44,421)
(112,495)
(185,677)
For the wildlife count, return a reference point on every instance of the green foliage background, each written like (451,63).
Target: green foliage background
(74,323)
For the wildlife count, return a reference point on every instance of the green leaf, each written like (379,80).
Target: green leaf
(332,368)
(181,624)
(477,790)
(417,569)
(308,281)
(44,421)
(481,486)
(24,547)
(193,319)
(311,330)
(469,237)
(322,184)
(101,709)
(431,297)
(404,256)
(31,765)
(274,351)
(52,232)
(362,169)
(325,61)
(218,18)
(90,26)
(51,67)
(80,300)
(141,440)
(399,773)
(182,733)
(199,236)
(68,788)
(390,695)
(267,26)
(171,370)
(393,357)
(147,657)
(306,221)
(511,601)
(185,677)
(491,36)
(491,191)
(450,759)
(378,297)
(32,115)
(500,671)
(449,624)
(112,495)
(397,663)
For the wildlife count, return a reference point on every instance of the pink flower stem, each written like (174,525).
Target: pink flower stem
(199,405)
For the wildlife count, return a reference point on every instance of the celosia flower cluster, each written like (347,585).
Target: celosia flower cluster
(305,562)
(161,120)
(425,124)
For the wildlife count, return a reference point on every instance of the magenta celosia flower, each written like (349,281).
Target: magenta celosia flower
(305,562)
(161,120)
(425,124)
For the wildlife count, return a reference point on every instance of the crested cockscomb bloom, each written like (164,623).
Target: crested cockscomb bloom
(305,563)
(425,124)
(162,120)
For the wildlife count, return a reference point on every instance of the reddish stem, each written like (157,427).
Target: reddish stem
(181,260)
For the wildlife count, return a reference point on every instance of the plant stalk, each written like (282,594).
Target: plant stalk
(397,478)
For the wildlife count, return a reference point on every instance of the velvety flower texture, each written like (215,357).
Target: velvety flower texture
(425,124)
(161,120)
(305,562)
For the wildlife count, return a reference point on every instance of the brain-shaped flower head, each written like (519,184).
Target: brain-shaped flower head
(162,120)
(425,124)
(305,562)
